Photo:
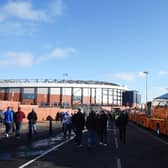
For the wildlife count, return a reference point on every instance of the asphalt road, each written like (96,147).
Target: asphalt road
(142,150)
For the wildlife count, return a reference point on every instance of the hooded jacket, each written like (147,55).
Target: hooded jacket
(8,116)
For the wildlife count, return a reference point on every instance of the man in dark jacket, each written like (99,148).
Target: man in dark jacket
(78,122)
(102,127)
(32,117)
(91,124)
(122,124)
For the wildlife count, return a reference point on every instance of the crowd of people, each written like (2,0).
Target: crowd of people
(14,120)
(96,124)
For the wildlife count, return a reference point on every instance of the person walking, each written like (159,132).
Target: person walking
(102,127)
(91,123)
(78,122)
(8,119)
(122,124)
(116,118)
(32,117)
(14,122)
(67,125)
(110,120)
(19,116)
(57,117)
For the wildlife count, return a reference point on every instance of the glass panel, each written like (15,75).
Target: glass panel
(77,92)
(77,95)
(14,90)
(28,93)
(105,96)
(2,90)
(93,92)
(98,95)
(42,91)
(28,90)
(86,92)
(55,91)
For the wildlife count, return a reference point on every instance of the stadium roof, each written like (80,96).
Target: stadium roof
(164,96)
(55,81)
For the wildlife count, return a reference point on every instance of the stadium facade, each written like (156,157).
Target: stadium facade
(61,92)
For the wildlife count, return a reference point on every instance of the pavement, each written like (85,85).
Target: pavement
(20,152)
(142,149)
(43,131)
(66,154)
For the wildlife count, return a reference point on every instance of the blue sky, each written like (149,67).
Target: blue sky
(106,40)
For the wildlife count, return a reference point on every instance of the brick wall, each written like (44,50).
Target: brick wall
(42,112)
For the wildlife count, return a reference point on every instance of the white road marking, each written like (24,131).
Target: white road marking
(45,153)
(118,160)
(118,163)
(115,138)
(48,151)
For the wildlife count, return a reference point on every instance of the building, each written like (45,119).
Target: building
(61,92)
(131,98)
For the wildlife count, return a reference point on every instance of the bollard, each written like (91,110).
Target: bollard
(30,131)
(49,118)
(50,128)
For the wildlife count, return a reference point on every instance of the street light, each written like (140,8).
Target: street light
(146,75)
(65,75)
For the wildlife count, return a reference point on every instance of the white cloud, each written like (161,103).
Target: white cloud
(22,17)
(22,10)
(17,58)
(25,10)
(128,76)
(124,76)
(25,59)
(163,72)
(62,52)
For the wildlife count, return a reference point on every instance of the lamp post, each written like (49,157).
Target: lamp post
(65,75)
(146,76)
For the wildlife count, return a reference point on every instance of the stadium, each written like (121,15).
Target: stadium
(66,93)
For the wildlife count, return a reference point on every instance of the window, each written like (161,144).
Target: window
(28,93)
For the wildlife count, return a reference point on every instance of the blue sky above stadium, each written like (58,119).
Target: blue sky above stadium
(105,40)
